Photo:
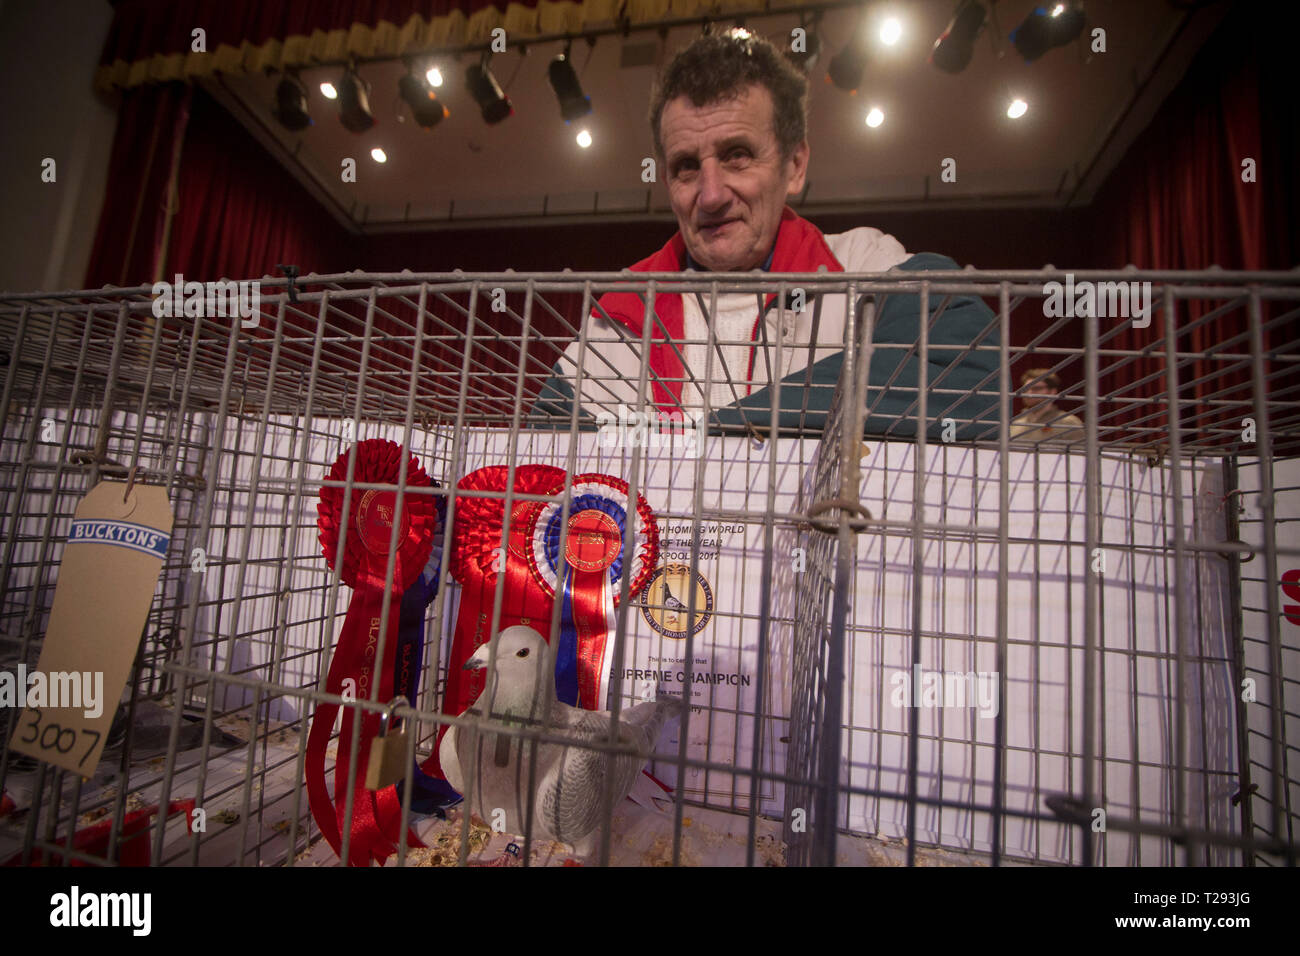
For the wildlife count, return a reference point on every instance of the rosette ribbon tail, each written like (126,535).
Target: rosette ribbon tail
(586,624)
(354,657)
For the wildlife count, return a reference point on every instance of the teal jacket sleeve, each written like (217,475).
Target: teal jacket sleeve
(553,407)
(962,369)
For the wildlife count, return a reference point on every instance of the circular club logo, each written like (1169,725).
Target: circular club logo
(665,600)
(375,519)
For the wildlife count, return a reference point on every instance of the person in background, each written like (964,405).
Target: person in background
(1042,420)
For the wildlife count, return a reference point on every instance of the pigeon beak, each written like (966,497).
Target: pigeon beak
(474,664)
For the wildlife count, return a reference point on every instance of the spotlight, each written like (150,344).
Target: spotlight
(584,139)
(952,51)
(419,96)
(378,155)
(1044,29)
(890,31)
(564,81)
(434,76)
(1017,108)
(846,66)
(354,102)
(875,117)
(327,90)
(291,104)
(483,86)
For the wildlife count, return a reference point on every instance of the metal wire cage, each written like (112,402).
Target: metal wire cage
(908,630)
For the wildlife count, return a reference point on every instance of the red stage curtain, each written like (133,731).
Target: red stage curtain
(151,124)
(1177,201)
(241,212)
(238,214)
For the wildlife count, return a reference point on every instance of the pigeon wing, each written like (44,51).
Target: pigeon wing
(572,791)
(449,761)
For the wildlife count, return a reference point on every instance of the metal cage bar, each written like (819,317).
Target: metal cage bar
(1143,663)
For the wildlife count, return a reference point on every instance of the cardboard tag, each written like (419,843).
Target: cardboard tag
(106,583)
(387,763)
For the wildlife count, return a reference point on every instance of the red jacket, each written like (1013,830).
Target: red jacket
(800,247)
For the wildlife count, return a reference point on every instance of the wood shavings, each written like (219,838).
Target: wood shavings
(485,847)
(769,849)
(90,816)
(661,853)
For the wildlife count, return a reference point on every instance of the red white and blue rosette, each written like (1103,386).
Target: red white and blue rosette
(582,564)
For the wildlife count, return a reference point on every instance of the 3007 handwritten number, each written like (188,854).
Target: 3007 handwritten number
(56,737)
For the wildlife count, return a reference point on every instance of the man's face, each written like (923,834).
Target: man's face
(727,181)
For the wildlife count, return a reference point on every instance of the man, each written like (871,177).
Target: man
(1042,420)
(728,119)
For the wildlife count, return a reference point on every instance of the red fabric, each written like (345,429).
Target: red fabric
(240,212)
(133,842)
(800,247)
(1177,201)
(152,121)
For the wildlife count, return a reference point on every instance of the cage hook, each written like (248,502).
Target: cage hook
(1243,793)
(291,272)
(828,504)
(1245,552)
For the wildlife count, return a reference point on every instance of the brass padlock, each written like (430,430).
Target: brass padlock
(387,763)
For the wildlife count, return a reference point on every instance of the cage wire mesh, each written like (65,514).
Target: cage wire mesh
(899,643)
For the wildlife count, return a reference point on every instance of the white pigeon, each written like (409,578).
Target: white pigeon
(568,786)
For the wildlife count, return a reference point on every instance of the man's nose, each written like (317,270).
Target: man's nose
(714,194)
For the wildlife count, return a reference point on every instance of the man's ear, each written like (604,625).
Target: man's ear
(797,166)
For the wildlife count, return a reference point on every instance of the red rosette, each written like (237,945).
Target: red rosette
(365,562)
(591,548)
(475,562)
(363,566)
(477,534)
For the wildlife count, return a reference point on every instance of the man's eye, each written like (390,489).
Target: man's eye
(737,155)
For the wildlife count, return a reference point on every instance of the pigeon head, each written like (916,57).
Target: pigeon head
(522,661)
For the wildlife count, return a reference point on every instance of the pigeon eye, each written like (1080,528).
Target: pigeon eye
(522,653)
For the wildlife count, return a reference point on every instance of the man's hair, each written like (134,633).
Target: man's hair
(721,67)
(1051,381)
